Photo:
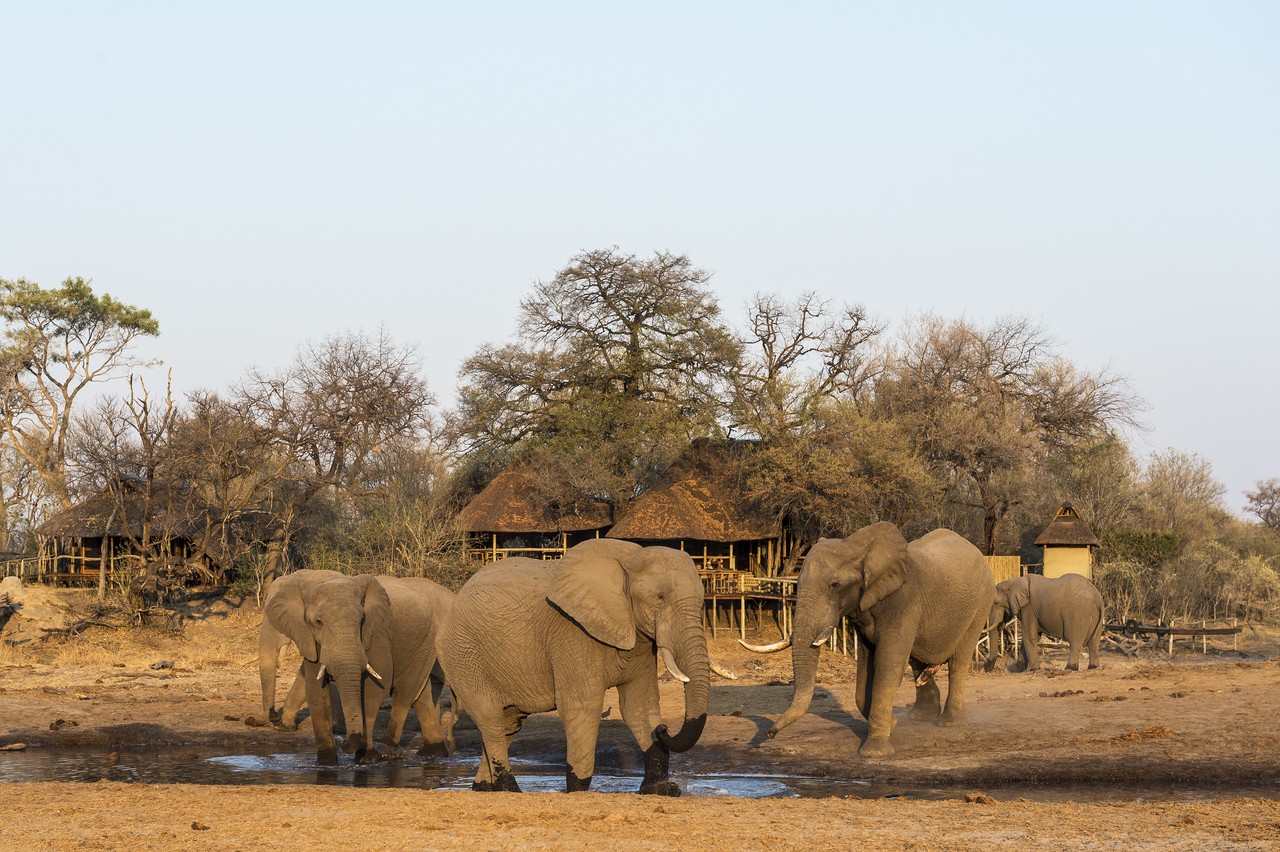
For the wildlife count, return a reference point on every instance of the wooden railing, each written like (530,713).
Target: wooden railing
(23,568)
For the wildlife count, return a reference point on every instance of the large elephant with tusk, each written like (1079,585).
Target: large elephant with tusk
(527,636)
(923,603)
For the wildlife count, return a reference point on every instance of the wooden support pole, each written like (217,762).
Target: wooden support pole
(742,620)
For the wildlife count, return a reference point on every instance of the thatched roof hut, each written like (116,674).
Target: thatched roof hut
(172,510)
(518,513)
(516,501)
(1068,544)
(697,505)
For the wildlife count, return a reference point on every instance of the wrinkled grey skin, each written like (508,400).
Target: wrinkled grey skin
(923,603)
(418,611)
(527,636)
(270,643)
(1068,608)
(341,627)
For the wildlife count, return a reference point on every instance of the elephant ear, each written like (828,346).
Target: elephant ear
(377,608)
(1019,596)
(884,567)
(592,593)
(284,611)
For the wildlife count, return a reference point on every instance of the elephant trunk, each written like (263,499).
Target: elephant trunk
(804,666)
(690,655)
(347,668)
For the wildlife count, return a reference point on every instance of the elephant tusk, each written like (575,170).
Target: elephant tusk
(722,672)
(670,662)
(371,671)
(766,649)
(320,674)
(818,643)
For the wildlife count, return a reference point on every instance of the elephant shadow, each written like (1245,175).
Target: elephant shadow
(825,705)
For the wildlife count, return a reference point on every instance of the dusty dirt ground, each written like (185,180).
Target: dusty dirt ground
(1144,752)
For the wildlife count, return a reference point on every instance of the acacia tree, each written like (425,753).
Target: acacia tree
(619,362)
(56,344)
(990,405)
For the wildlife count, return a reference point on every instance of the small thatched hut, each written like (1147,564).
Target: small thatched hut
(519,515)
(697,506)
(165,520)
(1069,545)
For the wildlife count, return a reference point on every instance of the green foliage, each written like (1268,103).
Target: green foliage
(1147,548)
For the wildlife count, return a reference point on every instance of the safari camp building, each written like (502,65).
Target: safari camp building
(516,515)
(75,544)
(1069,545)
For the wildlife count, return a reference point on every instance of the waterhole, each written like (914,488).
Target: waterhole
(203,765)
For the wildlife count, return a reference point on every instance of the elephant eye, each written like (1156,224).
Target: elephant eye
(662,596)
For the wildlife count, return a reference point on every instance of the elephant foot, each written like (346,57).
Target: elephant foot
(327,757)
(574,784)
(950,720)
(285,726)
(876,747)
(434,750)
(498,786)
(368,756)
(923,714)
(1093,665)
(275,717)
(664,787)
(503,781)
(1073,667)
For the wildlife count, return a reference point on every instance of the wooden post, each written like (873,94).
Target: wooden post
(1204,637)
(844,636)
(742,619)
(1170,643)
(1234,636)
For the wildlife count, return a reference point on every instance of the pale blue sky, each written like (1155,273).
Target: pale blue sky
(260,174)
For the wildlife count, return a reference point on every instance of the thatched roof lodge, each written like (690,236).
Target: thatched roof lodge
(518,514)
(75,543)
(1068,543)
(697,506)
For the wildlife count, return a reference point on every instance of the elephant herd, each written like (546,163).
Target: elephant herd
(529,636)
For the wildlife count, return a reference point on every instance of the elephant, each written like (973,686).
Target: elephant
(341,625)
(270,642)
(1067,607)
(419,608)
(527,636)
(925,603)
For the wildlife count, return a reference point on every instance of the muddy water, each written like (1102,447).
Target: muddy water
(192,765)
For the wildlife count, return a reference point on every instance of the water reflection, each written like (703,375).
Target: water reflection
(207,766)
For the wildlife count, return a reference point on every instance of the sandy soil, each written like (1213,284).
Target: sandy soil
(1142,753)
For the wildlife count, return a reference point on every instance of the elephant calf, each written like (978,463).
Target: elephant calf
(1068,608)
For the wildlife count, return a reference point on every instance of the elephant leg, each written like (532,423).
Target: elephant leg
(1094,641)
(436,740)
(498,726)
(372,701)
(866,665)
(400,702)
(321,714)
(579,699)
(1073,656)
(958,668)
(928,697)
(287,719)
(1030,639)
(886,676)
(641,711)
